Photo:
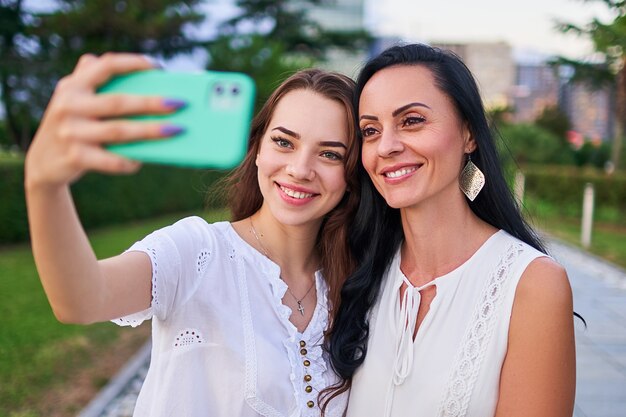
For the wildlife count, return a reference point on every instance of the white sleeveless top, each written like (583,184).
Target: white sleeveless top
(452,368)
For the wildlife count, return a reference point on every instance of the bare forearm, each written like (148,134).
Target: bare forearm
(66,263)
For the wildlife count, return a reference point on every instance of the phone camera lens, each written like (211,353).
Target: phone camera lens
(219,89)
(235,90)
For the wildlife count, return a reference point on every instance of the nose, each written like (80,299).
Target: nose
(301,167)
(389,144)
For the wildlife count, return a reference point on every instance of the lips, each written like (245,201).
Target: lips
(295,194)
(399,171)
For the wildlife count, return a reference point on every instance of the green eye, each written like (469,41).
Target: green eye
(281,142)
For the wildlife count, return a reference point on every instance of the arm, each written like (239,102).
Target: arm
(67,144)
(539,372)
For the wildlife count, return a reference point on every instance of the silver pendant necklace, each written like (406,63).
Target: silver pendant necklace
(265,252)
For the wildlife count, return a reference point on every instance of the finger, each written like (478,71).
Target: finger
(109,65)
(85,60)
(99,160)
(115,105)
(122,131)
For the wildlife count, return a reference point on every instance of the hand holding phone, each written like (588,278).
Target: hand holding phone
(215,119)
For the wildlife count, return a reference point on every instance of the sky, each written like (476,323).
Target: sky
(527,25)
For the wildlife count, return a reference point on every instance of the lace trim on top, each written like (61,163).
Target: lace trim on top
(477,335)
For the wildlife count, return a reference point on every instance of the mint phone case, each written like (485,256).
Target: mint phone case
(216,119)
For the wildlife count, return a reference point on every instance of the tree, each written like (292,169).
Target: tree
(16,51)
(269,40)
(152,27)
(531,144)
(609,39)
(554,120)
(58,38)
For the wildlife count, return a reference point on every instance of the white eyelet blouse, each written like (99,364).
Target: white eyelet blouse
(222,342)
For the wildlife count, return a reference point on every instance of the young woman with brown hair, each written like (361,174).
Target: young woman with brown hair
(239,309)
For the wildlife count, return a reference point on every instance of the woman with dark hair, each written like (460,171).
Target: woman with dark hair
(239,309)
(455,308)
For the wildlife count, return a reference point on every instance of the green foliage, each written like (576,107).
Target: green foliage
(269,40)
(593,154)
(555,121)
(36,49)
(153,27)
(609,40)
(563,187)
(288,22)
(4,137)
(263,59)
(531,144)
(19,72)
(103,199)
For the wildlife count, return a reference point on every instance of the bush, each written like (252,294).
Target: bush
(563,187)
(531,144)
(102,199)
(593,154)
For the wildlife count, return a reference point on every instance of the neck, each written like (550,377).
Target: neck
(439,237)
(291,247)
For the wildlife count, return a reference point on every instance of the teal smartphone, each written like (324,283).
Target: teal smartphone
(216,118)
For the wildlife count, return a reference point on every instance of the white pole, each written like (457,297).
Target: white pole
(587,221)
(518,187)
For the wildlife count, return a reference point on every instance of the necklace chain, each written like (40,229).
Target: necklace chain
(265,252)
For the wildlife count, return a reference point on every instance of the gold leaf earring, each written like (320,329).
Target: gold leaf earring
(472,179)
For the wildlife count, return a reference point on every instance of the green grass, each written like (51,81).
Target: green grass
(608,238)
(36,351)
(10,157)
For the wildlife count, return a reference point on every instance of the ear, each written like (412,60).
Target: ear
(256,160)
(469,143)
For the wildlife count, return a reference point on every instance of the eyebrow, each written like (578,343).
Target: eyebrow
(287,132)
(334,144)
(408,106)
(331,143)
(396,111)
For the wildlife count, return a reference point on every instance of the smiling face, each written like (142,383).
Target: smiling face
(301,158)
(413,138)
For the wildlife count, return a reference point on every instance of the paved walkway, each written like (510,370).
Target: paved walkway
(599,296)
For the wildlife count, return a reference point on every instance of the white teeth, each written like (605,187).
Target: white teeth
(399,173)
(295,194)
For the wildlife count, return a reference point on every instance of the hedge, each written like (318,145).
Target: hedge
(563,187)
(104,199)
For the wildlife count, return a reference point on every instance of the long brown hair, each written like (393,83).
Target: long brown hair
(244,197)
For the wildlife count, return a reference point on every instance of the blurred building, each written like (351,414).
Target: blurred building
(529,88)
(536,88)
(540,85)
(590,110)
(493,67)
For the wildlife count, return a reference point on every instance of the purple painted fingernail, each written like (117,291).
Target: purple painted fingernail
(154,61)
(171,130)
(174,103)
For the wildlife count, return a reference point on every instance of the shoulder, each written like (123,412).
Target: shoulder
(197,229)
(189,235)
(544,285)
(538,374)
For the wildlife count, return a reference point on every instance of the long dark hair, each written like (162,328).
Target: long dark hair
(376,232)
(244,197)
